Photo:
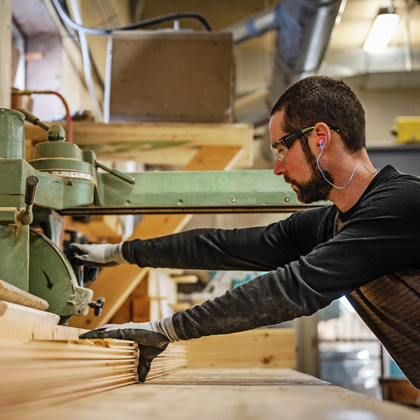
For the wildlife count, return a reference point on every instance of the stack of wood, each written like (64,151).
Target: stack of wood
(172,359)
(37,374)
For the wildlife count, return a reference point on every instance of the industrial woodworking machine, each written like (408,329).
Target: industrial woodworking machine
(62,180)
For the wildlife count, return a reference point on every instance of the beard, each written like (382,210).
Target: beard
(316,189)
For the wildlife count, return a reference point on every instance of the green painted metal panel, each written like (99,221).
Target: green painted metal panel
(50,275)
(53,192)
(14,266)
(7,215)
(12,134)
(193,192)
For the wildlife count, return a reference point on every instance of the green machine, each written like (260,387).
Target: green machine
(61,179)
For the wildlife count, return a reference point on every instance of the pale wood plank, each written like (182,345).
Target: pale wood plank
(15,311)
(155,143)
(116,284)
(36,374)
(13,294)
(260,348)
(28,330)
(99,229)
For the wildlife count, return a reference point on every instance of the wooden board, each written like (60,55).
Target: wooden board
(29,330)
(31,377)
(116,284)
(100,229)
(13,294)
(15,311)
(37,374)
(246,394)
(260,348)
(200,91)
(155,143)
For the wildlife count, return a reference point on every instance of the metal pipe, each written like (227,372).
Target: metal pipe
(302,40)
(304,30)
(255,26)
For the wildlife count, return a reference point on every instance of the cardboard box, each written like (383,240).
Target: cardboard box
(170,76)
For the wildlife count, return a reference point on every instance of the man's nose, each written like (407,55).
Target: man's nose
(279,168)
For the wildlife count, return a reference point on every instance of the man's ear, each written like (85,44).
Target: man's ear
(322,133)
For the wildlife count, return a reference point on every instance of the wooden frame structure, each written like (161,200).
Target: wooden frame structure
(154,143)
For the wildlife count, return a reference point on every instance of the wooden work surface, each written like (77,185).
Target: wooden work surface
(226,394)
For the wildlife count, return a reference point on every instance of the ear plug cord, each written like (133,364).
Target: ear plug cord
(322,145)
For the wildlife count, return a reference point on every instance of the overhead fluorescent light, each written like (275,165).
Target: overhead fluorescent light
(381,31)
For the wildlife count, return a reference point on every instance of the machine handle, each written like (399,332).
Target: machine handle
(116,173)
(33,119)
(98,305)
(30,190)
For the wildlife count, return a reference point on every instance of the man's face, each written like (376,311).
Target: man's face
(299,166)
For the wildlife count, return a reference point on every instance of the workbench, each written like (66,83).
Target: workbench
(227,394)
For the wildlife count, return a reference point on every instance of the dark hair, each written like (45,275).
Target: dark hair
(324,99)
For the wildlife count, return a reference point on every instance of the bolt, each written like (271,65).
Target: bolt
(233,200)
(287,199)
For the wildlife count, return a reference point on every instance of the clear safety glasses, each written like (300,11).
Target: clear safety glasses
(281,146)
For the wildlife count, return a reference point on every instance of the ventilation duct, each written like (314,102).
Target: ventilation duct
(304,30)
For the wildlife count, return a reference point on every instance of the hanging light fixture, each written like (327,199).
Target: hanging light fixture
(382,30)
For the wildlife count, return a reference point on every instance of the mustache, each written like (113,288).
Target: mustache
(290,180)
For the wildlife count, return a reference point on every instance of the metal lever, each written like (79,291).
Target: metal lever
(98,305)
(30,191)
(25,215)
(55,132)
(116,173)
(33,119)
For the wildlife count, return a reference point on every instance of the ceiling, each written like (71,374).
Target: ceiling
(351,33)
(345,46)
(358,17)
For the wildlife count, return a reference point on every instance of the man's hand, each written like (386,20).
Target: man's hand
(152,337)
(99,256)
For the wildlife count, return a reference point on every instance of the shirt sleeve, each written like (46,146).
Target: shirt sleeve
(253,249)
(381,237)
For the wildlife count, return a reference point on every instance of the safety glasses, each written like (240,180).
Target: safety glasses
(282,146)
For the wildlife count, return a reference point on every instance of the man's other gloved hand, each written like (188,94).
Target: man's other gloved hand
(152,337)
(99,256)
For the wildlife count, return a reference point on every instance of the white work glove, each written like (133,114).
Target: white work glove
(106,255)
(152,337)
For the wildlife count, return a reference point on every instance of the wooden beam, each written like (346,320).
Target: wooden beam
(15,311)
(99,229)
(27,330)
(154,143)
(13,294)
(37,374)
(260,348)
(116,284)
(5,53)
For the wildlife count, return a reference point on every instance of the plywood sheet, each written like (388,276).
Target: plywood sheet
(179,76)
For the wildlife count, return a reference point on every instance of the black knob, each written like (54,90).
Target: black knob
(89,275)
(98,306)
(30,191)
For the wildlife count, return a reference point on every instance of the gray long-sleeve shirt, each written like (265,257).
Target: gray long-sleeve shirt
(371,254)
